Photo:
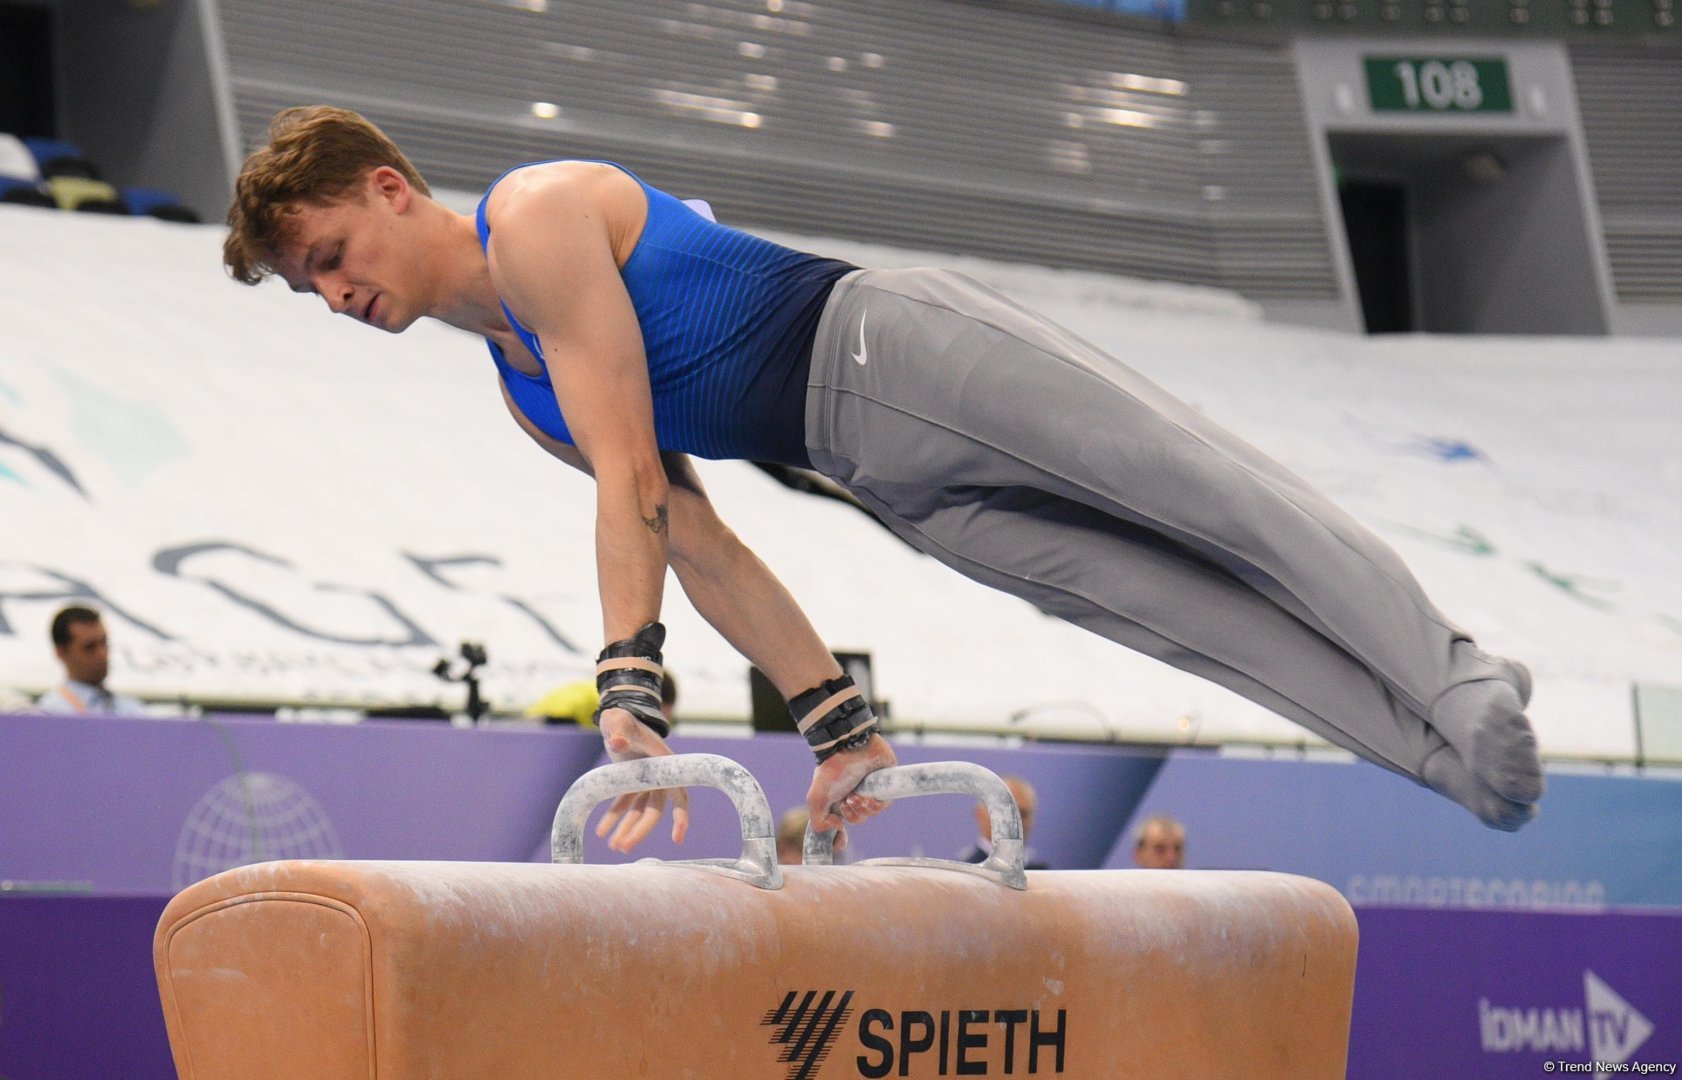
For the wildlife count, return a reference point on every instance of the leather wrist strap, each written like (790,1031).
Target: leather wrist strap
(628,676)
(833,716)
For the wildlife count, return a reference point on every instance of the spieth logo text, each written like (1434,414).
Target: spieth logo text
(809,1024)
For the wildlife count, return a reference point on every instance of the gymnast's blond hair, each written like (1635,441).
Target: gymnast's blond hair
(316,155)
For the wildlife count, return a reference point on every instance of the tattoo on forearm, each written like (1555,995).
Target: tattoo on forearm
(657,523)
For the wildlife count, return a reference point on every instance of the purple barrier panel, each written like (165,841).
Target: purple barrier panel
(1085,794)
(149,806)
(1515,994)
(78,997)
(1385,841)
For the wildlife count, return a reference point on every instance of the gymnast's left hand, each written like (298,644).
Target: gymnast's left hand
(632,817)
(831,798)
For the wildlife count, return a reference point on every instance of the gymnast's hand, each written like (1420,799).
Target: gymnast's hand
(832,798)
(628,739)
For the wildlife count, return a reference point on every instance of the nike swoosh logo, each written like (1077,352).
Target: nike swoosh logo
(863,352)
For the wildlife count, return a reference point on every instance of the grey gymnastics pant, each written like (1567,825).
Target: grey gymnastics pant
(1030,460)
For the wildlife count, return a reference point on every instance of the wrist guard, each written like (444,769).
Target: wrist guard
(628,677)
(833,716)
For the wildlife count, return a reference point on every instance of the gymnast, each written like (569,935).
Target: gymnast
(629,332)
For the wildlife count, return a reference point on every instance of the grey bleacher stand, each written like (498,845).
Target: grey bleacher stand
(1197,152)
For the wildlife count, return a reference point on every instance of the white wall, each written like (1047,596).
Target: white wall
(192,410)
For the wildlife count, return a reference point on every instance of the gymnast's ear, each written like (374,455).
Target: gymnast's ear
(385,182)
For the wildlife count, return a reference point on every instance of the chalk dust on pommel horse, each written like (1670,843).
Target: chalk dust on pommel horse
(317,970)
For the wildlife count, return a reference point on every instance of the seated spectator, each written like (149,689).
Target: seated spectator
(791,836)
(1027,801)
(1160,844)
(575,702)
(79,639)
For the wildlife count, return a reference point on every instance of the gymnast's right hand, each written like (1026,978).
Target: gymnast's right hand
(632,817)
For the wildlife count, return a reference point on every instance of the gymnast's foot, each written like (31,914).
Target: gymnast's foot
(1511,671)
(1445,772)
(1484,720)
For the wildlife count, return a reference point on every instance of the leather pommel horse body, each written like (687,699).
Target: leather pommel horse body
(484,971)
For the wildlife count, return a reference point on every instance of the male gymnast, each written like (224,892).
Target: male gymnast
(629,331)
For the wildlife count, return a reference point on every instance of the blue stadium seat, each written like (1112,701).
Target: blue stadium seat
(18,192)
(56,157)
(151,202)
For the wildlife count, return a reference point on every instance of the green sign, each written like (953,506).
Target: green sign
(1438,84)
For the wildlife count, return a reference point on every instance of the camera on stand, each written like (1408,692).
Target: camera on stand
(473,656)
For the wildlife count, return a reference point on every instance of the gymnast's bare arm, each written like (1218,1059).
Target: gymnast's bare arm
(739,595)
(745,602)
(552,260)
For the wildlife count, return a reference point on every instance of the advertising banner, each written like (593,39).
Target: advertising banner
(1521,995)
(1602,840)
(111,805)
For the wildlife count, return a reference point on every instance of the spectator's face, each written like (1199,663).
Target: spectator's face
(1160,849)
(86,656)
(1024,805)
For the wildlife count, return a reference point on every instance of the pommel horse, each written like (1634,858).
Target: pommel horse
(324,970)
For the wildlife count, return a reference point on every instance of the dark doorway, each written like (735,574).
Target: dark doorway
(1375,216)
(26,70)
(1468,234)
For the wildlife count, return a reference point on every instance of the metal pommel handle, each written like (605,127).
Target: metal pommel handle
(1004,865)
(758,862)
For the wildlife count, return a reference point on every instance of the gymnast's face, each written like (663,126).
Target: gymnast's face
(359,254)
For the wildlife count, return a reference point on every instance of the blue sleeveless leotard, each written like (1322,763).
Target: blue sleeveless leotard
(727,323)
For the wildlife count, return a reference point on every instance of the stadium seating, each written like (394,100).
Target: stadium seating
(56,174)
(19,192)
(58,157)
(86,195)
(152,202)
(20,176)
(16,162)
